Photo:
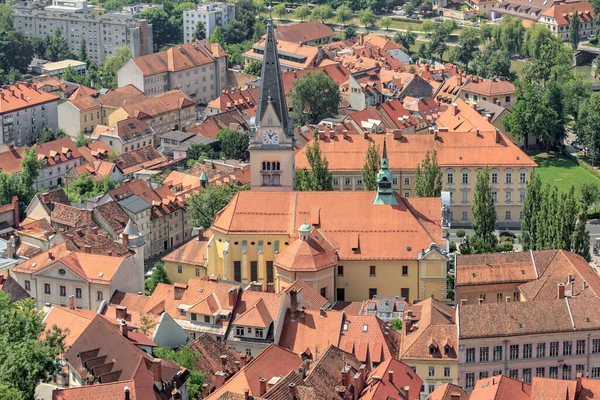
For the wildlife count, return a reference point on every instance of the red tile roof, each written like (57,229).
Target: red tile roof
(307,255)
(501,387)
(311,332)
(562,12)
(178,58)
(194,252)
(489,87)
(449,391)
(365,334)
(304,32)
(95,151)
(22,95)
(308,298)
(391,378)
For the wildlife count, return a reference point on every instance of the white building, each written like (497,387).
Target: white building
(211,15)
(558,19)
(58,68)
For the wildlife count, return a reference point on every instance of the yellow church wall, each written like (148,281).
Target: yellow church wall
(188,271)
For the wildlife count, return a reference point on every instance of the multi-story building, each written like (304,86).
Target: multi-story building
(496,91)
(309,32)
(56,274)
(461,155)
(126,135)
(188,261)
(25,111)
(59,67)
(556,338)
(429,343)
(211,15)
(103,34)
(558,18)
(292,56)
(198,69)
(139,211)
(482,7)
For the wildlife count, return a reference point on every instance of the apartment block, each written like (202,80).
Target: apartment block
(197,68)
(25,111)
(211,15)
(103,34)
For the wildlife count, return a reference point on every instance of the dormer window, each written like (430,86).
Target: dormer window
(69,154)
(447,349)
(432,349)
(57,158)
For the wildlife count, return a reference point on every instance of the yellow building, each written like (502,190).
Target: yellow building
(429,343)
(188,261)
(461,154)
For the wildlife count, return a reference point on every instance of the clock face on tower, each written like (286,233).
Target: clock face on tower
(270,136)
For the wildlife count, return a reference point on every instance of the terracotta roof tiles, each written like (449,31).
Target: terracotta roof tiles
(562,12)
(304,32)
(178,58)
(21,95)
(501,388)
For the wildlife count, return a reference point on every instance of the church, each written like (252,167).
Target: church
(349,246)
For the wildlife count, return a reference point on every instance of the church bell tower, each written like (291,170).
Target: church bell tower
(272,140)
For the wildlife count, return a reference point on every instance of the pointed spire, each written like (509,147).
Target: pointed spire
(271,83)
(385,193)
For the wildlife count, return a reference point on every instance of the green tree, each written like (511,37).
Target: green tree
(492,63)
(6,22)
(200,151)
(533,199)
(45,136)
(40,45)
(581,238)
(70,75)
(460,233)
(467,46)
(8,393)
(349,33)
(81,140)
(253,68)
(574,30)
(318,177)
(314,97)
(280,11)
(589,194)
(199,31)
(146,324)
(575,91)
(59,47)
(217,36)
(206,204)
(162,29)
(159,275)
(588,125)
(25,359)
(343,14)
(386,22)
(302,12)
(396,324)
(235,32)
(16,50)
(234,145)
(83,51)
(406,39)
(485,32)
(428,177)
(367,17)
(322,13)
(428,27)
(110,66)
(188,359)
(371,167)
(484,215)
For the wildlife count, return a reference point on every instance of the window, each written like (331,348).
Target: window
(464,216)
(499,298)
(446,372)
(566,374)
(553,373)
(484,354)
(508,178)
(507,99)
(431,371)
(359,181)
(527,375)
(470,380)
(497,353)
(465,178)
(521,197)
(406,181)
(405,292)
(471,355)
(258,333)
(513,373)
(239,331)
(46,288)
(253,271)
(197,272)
(483,374)
(465,197)
(595,346)
(207,319)
(77,293)
(553,349)
(541,350)
(63,291)
(237,271)
(540,372)
(372,270)
(405,270)
(27,285)
(579,369)
(249,352)
(496,372)
(580,349)
(514,351)
(100,295)
(508,216)
(372,293)
(596,372)
(567,348)
(450,178)
(494,178)
(347,181)
(340,270)
(179,269)
(407,193)
(508,197)
(495,197)
(193,317)
(522,177)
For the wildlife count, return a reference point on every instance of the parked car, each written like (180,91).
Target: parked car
(438,19)
(476,25)
(502,234)
(414,16)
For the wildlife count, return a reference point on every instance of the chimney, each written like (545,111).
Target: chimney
(15,203)
(72,302)
(459,80)
(124,330)
(435,135)
(243,360)
(391,376)
(426,67)
(219,379)
(246,394)
(46,235)
(488,118)
(406,326)
(121,312)
(477,132)
(322,312)
(292,389)
(361,39)
(345,132)
(302,371)
(10,247)
(200,234)
(232,297)
(224,363)
(463,302)
(126,240)
(585,285)
(443,129)
(578,386)
(127,395)
(176,394)
(480,300)
(236,365)
(110,253)
(178,291)
(270,287)
(365,135)
(497,133)
(454,109)
(293,304)
(262,386)
(474,106)
(157,372)
(50,256)
(87,249)
(561,290)
(345,377)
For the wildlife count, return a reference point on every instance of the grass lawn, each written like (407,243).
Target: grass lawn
(562,172)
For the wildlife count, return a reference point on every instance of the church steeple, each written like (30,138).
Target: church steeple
(271,84)
(385,194)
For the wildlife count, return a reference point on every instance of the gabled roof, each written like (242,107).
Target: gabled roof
(257,315)
(95,151)
(326,374)
(501,387)
(20,95)
(365,337)
(76,321)
(553,389)
(378,385)
(304,32)
(159,104)
(449,391)
(194,252)
(311,333)
(313,255)
(562,12)
(489,87)
(114,215)
(381,42)
(308,298)
(126,130)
